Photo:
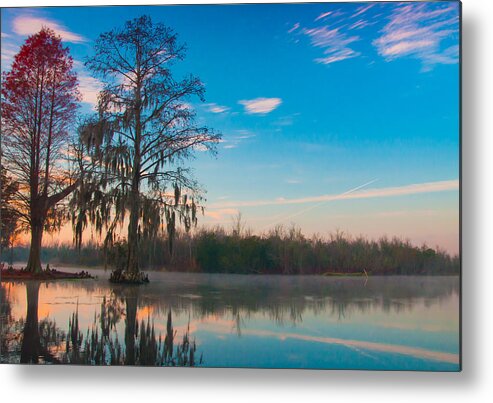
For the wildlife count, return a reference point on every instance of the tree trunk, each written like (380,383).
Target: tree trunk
(34,262)
(133,235)
(133,225)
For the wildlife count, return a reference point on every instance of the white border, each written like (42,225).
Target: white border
(82,384)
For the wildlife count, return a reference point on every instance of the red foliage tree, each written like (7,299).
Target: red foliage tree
(39,103)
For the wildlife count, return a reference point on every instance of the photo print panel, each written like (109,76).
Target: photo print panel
(241,185)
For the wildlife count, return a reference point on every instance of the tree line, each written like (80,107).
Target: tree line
(279,251)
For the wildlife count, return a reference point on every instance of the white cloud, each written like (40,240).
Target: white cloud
(215,108)
(4,35)
(418,31)
(30,24)
(260,105)
(429,187)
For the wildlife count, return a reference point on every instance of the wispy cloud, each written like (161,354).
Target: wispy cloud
(4,35)
(323,15)
(215,108)
(334,42)
(429,187)
(362,10)
(285,120)
(294,27)
(332,35)
(9,51)
(260,106)
(30,24)
(360,24)
(234,140)
(89,88)
(219,214)
(419,30)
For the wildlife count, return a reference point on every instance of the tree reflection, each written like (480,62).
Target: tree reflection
(41,341)
(31,345)
(141,346)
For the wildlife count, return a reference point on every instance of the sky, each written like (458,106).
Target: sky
(334,116)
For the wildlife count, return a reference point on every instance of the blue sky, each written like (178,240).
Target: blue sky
(334,116)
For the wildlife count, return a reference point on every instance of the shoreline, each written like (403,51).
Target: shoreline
(84,272)
(12,273)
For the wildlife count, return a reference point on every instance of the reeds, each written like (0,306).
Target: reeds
(279,251)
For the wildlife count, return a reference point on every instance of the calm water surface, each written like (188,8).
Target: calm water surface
(404,323)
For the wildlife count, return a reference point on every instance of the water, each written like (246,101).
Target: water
(387,323)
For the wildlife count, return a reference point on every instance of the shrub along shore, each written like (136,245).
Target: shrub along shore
(280,251)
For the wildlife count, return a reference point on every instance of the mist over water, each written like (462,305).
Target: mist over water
(392,323)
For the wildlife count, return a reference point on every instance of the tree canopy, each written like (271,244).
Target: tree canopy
(143,133)
(39,102)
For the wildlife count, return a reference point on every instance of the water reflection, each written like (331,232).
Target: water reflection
(31,344)
(44,342)
(300,322)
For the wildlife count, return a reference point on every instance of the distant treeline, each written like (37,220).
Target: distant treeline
(280,251)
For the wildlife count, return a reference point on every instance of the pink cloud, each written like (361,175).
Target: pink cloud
(323,15)
(334,42)
(89,88)
(406,47)
(294,28)
(429,187)
(361,10)
(416,30)
(29,24)
(219,214)
(360,24)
